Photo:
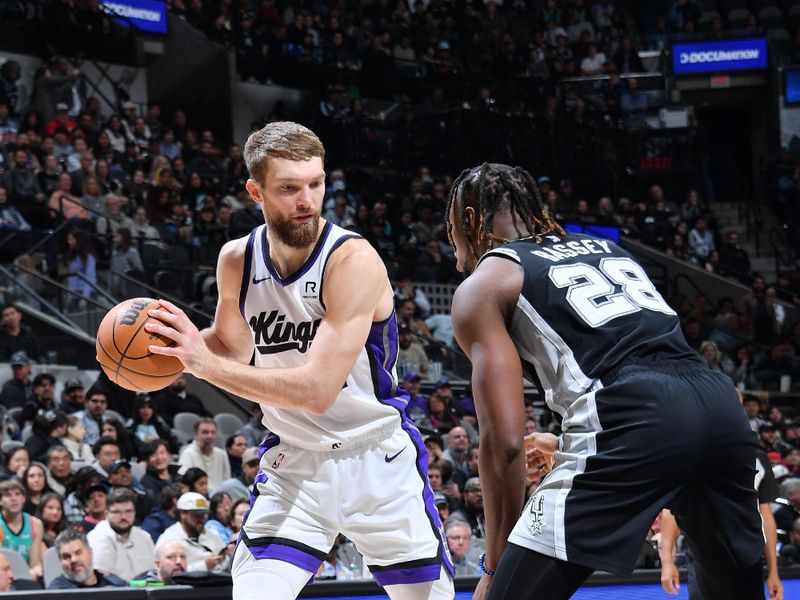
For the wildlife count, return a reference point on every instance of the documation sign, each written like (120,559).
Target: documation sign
(145,15)
(719,56)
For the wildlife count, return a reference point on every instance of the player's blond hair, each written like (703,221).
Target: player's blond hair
(282,139)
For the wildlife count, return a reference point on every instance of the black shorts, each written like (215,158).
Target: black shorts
(662,435)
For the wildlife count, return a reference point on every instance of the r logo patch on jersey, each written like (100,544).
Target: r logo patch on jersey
(310,291)
(537,521)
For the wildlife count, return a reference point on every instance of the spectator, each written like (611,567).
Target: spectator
(59,469)
(235,446)
(170,561)
(160,520)
(160,473)
(758,312)
(410,357)
(701,241)
(80,451)
(634,106)
(594,61)
(457,452)
(114,219)
(459,540)
(733,258)
(788,513)
(64,205)
(203,453)
(120,477)
(42,401)
(238,487)
(19,530)
(95,509)
(106,451)
(83,479)
(18,390)
(35,483)
(92,417)
(115,430)
(6,575)
(177,399)
(51,513)
(16,337)
(73,398)
(147,426)
(77,564)
(196,480)
(220,514)
(119,546)
(440,414)
(471,509)
(46,432)
(17,461)
(202,545)
(81,259)
(417,407)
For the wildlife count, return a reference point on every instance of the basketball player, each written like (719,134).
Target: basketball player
(645,424)
(311,302)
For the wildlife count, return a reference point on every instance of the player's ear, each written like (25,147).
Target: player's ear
(254,190)
(471,219)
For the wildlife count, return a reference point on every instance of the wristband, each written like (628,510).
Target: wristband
(482,565)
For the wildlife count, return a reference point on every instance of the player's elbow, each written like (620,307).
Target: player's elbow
(320,403)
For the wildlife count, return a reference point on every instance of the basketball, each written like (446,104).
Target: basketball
(123,348)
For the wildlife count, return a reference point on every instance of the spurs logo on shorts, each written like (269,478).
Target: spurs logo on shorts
(537,514)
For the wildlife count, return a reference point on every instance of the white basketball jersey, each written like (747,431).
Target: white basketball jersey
(284,314)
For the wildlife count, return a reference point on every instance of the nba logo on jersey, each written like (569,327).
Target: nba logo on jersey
(537,514)
(277,462)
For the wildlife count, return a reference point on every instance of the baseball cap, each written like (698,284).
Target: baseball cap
(439,498)
(774,457)
(96,487)
(443,382)
(61,106)
(128,105)
(19,358)
(117,465)
(403,328)
(194,502)
(411,376)
(543,179)
(249,455)
(71,384)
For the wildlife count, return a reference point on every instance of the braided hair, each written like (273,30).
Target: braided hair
(500,189)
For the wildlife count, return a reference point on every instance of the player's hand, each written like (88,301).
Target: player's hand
(670,580)
(189,347)
(774,587)
(482,589)
(539,449)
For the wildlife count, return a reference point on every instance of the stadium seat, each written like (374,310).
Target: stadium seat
(705,19)
(18,565)
(738,18)
(770,17)
(27,432)
(780,40)
(51,566)
(184,425)
(14,413)
(138,469)
(227,425)
(10,445)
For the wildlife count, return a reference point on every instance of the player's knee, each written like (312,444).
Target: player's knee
(441,589)
(283,580)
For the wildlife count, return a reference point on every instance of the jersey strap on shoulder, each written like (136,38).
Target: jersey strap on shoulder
(503,252)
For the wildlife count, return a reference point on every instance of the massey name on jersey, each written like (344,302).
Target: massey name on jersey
(558,252)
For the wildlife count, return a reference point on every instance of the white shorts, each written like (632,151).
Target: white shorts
(374,492)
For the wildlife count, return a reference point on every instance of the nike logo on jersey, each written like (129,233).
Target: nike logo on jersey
(388,458)
(259,280)
(272,333)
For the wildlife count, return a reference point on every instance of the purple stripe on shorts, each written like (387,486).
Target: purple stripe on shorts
(408,575)
(382,344)
(293,556)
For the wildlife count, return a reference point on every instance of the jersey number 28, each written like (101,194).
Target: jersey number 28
(591,290)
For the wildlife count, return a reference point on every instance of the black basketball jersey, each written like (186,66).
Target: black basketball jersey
(586,307)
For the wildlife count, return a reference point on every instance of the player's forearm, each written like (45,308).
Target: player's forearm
(299,388)
(771,535)
(502,468)
(219,348)
(669,536)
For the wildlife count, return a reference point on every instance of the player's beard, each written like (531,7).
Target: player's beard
(292,234)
